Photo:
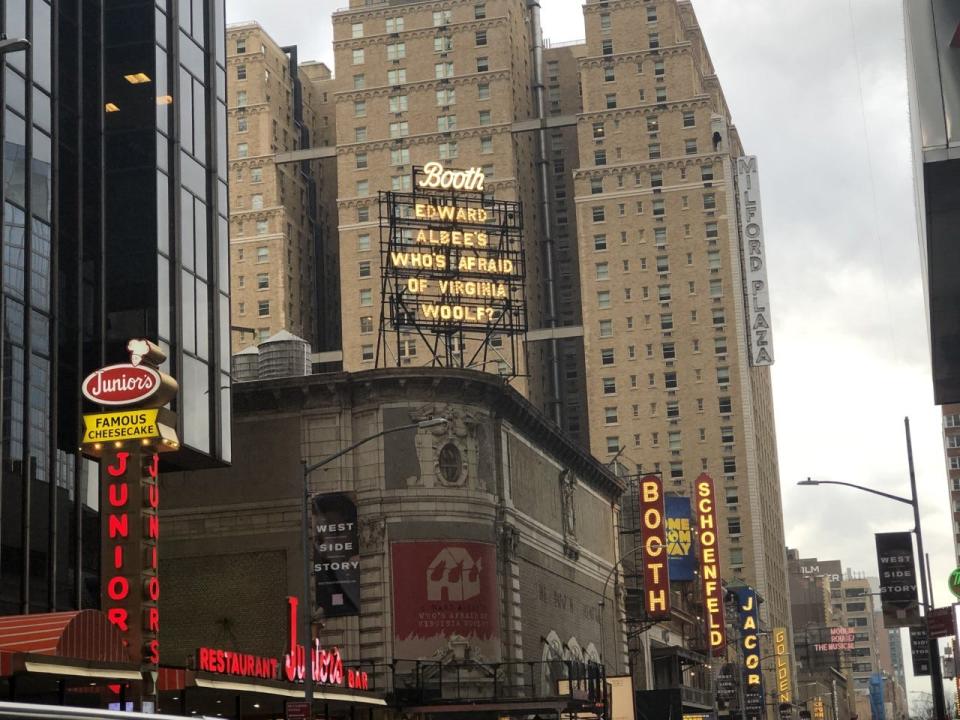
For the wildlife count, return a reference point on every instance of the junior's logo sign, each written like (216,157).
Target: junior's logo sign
(121,384)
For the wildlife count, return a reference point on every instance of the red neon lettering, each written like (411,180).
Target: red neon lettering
(153,588)
(153,557)
(118,557)
(118,588)
(117,492)
(290,666)
(153,619)
(122,460)
(118,525)
(154,466)
(153,496)
(118,616)
(153,652)
(153,527)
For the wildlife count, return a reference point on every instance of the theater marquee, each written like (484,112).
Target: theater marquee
(452,270)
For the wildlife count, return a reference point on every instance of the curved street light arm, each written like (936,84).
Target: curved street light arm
(898,498)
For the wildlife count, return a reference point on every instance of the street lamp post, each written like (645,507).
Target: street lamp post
(305,537)
(936,673)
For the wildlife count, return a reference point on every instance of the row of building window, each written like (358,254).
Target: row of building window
(263,308)
(609,384)
(263,254)
(263,281)
(397,24)
(668,350)
(598,213)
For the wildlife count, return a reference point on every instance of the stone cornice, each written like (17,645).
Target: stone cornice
(595,61)
(428,84)
(358,391)
(423,139)
(619,113)
(685,161)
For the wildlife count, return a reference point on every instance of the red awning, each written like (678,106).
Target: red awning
(79,634)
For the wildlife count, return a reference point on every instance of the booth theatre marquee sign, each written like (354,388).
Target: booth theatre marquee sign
(452,257)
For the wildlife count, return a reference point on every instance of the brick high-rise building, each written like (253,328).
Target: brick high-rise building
(278,231)
(417,82)
(671,380)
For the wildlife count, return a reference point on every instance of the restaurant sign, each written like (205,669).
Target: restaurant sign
(326,665)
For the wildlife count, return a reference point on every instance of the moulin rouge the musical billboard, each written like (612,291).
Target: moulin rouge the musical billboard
(452,256)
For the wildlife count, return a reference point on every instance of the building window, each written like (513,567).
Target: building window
(610,416)
(359,81)
(441,18)
(726,434)
(670,380)
(263,308)
(663,264)
(366,297)
(729,465)
(666,321)
(598,213)
(241,46)
(398,103)
(364,269)
(443,70)
(358,56)
(399,129)
(242,125)
(480,38)
(366,352)
(596,185)
(363,188)
(723,375)
(606,46)
(952,420)
(366,324)
(609,385)
(653,150)
(733,526)
(673,409)
(720,346)
(241,72)
(953,441)
(606,330)
(690,146)
(955,464)
(659,69)
(397,77)
(445,123)
(661,94)
(599,158)
(356,30)
(725,406)
(709,201)
(653,41)
(613,444)
(483,91)
(651,13)
(446,96)
(673,440)
(606,356)
(479,11)
(263,281)
(394,24)
(396,51)
(486,145)
(256,202)
(669,351)
(719,317)
(242,150)
(262,227)
(599,242)
(360,134)
(359,108)
(603,272)
(611,100)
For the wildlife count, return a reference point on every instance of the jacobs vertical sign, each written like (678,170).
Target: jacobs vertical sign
(755,262)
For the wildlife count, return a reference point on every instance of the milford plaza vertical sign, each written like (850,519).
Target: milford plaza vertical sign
(128,443)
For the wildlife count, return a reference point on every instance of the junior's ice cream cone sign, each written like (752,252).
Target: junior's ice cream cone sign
(128,440)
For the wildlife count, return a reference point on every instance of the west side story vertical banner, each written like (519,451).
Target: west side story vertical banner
(336,554)
(898,580)
(754,261)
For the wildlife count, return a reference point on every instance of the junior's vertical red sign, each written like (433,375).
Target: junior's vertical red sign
(443,588)
(705,500)
(128,444)
(656,576)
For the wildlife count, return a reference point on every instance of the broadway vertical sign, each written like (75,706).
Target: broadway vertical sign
(656,577)
(920,651)
(898,580)
(336,554)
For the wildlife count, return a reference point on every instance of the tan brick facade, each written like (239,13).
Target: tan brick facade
(668,382)
(275,226)
(418,82)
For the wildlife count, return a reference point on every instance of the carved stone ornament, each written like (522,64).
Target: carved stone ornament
(509,541)
(372,533)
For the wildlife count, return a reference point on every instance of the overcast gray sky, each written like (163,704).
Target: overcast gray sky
(818,91)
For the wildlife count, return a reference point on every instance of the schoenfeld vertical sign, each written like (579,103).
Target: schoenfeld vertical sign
(898,580)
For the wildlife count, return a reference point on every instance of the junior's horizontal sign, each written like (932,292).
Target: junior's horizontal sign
(125,425)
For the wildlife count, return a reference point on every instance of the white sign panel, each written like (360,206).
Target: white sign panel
(755,262)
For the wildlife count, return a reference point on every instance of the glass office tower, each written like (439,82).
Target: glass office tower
(114,226)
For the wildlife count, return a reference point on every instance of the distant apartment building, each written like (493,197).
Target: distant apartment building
(279,227)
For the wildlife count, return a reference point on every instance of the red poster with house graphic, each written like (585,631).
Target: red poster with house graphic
(443,588)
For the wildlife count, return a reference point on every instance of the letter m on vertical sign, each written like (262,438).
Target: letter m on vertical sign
(656,561)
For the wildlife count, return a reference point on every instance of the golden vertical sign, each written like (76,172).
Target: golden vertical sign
(781,654)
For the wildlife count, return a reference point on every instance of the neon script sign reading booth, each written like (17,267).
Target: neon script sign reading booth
(436,177)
